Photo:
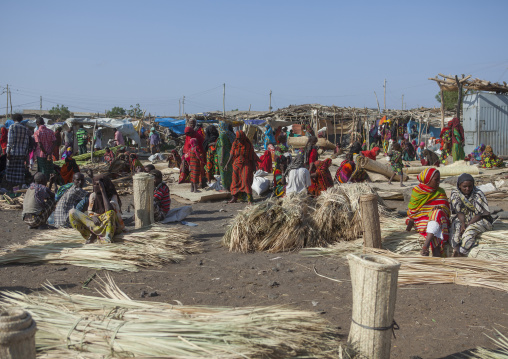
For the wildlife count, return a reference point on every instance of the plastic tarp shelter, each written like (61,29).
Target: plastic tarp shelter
(125,126)
(175,125)
(254,122)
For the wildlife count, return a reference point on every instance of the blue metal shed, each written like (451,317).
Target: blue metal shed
(485,121)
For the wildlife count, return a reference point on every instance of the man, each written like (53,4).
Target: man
(56,149)
(98,139)
(70,199)
(82,137)
(154,141)
(299,176)
(39,202)
(46,142)
(119,141)
(18,143)
(68,139)
(161,197)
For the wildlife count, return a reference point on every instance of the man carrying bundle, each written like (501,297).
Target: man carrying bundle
(70,199)
(161,197)
(39,201)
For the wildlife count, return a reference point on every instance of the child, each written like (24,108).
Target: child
(396,163)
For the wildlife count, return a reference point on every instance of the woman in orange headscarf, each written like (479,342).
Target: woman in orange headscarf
(429,211)
(244,163)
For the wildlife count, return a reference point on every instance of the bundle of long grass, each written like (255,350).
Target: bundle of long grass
(500,353)
(299,221)
(151,246)
(115,326)
(87,156)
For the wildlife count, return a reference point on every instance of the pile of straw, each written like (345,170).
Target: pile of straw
(500,353)
(71,325)
(152,246)
(299,221)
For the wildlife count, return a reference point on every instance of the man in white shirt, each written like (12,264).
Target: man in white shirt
(298,176)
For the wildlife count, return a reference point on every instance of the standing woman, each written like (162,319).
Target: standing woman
(212,162)
(196,164)
(269,138)
(311,151)
(320,176)
(265,163)
(224,144)
(104,218)
(473,215)
(429,211)
(244,164)
(457,136)
(4,133)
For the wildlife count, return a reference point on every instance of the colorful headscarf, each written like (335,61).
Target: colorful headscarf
(223,129)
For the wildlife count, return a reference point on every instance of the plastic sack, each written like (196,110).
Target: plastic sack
(177,214)
(260,185)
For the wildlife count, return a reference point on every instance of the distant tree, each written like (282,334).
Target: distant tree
(450,99)
(135,111)
(60,113)
(235,109)
(116,112)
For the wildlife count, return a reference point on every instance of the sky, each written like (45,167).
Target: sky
(93,55)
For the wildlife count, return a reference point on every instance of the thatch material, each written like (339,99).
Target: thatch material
(115,326)
(500,353)
(299,221)
(151,246)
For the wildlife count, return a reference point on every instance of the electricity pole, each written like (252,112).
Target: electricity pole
(41,104)
(270,106)
(384,87)
(10,100)
(183,105)
(7,106)
(402,101)
(224,101)
(179,107)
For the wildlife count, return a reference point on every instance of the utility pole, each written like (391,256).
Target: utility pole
(183,105)
(224,101)
(179,107)
(7,106)
(402,101)
(10,100)
(384,90)
(270,106)
(378,109)
(41,104)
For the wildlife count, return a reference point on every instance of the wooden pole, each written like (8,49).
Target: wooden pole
(334,126)
(224,101)
(442,107)
(370,219)
(459,101)
(7,106)
(143,199)
(378,108)
(10,100)
(374,281)
(384,90)
(17,335)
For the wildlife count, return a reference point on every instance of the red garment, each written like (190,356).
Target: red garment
(455,124)
(196,162)
(371,154)
(190,134)
(277,134)
(44,138)
(324,179)
(3,137)
(244,163)
(161,195)
(313,155)
(266,162)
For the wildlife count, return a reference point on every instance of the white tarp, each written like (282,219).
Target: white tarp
(125,126)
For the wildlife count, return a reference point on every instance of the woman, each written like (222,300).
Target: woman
(477,153)
(446,143)
(109,156)
(279,178)
(429,211)
(372,154)
(135,163)
(282,146)
(419,151)
(3,139)
(346,169)
(174,159)
(269,138)
(104,218)
(311,151)
(356,148)
(473,215)
(396,164)
(386,139)
(265,163)
(457,136)
(244,161)
(309,132)
(320,176)
(429,158)
(196,164)
(212,163)
(489,159)
(68,170)
(408,153)
(224,143)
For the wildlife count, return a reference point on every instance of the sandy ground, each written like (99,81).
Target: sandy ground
(435,320)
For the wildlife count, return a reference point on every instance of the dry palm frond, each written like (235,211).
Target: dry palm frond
(500,353)
(299,221)
(152,246)
(118,327)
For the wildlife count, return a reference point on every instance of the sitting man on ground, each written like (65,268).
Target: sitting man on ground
(70,199)
(39,202)
(161,197)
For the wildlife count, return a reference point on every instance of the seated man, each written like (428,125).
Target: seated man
(161,196)
(69,200)
(39,202)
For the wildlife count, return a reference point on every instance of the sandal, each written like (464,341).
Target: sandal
(425,251)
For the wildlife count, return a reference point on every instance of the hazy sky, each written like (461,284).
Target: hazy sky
(93,55)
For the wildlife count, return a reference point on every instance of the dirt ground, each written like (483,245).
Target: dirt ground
(436,321)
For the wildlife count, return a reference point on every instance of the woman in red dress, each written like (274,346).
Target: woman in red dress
(196,164)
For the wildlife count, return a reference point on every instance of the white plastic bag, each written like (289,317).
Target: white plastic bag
(260,173)
(260,185)
(177,214)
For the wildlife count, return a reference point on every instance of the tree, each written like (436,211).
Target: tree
(60,113)
(450,99)
(135,111)
(116,112)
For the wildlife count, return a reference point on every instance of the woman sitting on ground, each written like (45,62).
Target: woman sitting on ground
(349,172)
(476,155)
(320,176)
(311,151)
(174,159)
(473,215)
(298,176)
(265,163)
(104,218)
(69,168)
(430,158)
(372,154)
(135,163)
(408,153)
(279,179)
(429,211)
(489,159)
(109,156)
